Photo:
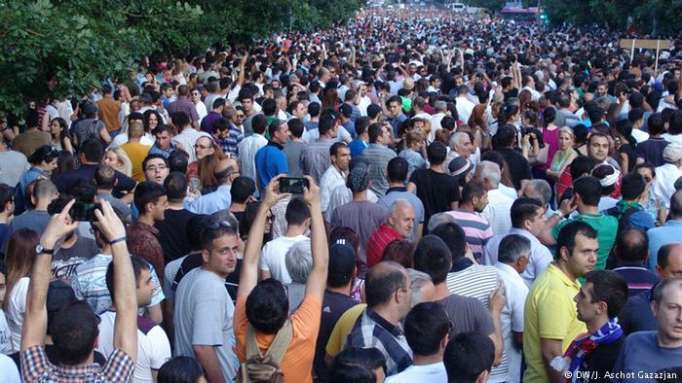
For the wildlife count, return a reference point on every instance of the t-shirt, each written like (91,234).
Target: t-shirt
(204,316)
(5,335)
(153,347)
(363,217)
(436,190)
(641,356)
(606,227)
(432,373)
(467,315)
(16,310)
(8,370)
(65,261)
(273,259)
(137,153)
(293,152)
(173,233)
(518,166)
(333,306)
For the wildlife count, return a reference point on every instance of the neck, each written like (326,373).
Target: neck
(237,207)
(175,205)
(585,209)
(361,196)
(147,219)
(595,324)
(437,168)
(441,291)
(41,206)
(421,360)
(204,267)
(296,139)
(134,139)
(396,185)
(389,313)
(468,206)
(104,191)
(70,240)
(345,290)
(295,230)
(666,342)
(564,269)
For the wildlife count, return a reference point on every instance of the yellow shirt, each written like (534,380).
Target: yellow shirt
(137,153)
(549,313)
(342,328)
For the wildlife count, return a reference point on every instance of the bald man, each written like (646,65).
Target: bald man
(225,172)
(398,226)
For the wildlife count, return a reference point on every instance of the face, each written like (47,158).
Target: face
(646,174)
(386,135)
(55,128)
(111,159)
(380,375)
(238,118)
(674,267)
(480,203)
(145,287)
(300,111)
(583,257)
(204,147)
(404,297)
(599,148)
(601,90)
(539,222)
(156,171)
(394,108)
(247,104)
(668,313)
(153,121)
(163,140)
(565,141)
(221,258)
(587,310)
(342,158)
(464,148)
(402,220)
(196,96)
(282,134)
(50,166)
(159,207)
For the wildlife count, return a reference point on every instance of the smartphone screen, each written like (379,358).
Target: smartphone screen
(292,185)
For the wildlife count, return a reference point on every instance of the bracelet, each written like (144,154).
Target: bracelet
(117,240)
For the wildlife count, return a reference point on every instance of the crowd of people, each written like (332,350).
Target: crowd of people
(413,196)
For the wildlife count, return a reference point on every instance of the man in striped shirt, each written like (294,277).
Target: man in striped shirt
(468,217)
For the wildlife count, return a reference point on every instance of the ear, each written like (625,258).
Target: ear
(483,377)
(564,254)
(205,255)
(654,308)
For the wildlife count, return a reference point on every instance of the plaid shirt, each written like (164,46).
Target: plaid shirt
(36,368)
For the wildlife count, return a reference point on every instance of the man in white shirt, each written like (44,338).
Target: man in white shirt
(512,260)
(335,175)
(249,146)
(463,105)
(188,135)
(499,204)
(441,110)
(426,329)
(667,174)
(153,346)
(273,259)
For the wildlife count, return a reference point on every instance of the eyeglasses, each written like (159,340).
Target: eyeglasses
(154,168)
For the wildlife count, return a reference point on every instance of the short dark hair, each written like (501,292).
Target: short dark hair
(357,365)
(380,285)
(147,192)
(213,231)
(632,186)
(180,119)
(467,355)
(138,263)
(433,257)
(676,204)
(267,306)
(374,132)
(397,169)
(334,149)
(425,327)
(664,252)
(92,149)
(74,330)
(589,190)
(361,125)
(656,124)
(296,127)
(297,212)
(326,123)
(176,186)
(436,153)
(259,123)
(105,177)
(524,209)
(454,237)
(610,287)
(581,165)
(569,232)
(472,189)
(180,369)
(242,188)
(151,157)
(401,251)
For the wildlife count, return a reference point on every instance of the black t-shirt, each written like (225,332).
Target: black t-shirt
(173,233)
(519,168)
(600,361)
(333,306)
(436,191)
(651,150)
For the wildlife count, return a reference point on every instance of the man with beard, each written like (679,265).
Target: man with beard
(468,217)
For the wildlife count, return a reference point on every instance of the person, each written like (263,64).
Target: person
(183,104)
(138,119)
(315,158)
(564,155)
(631,252)
(335,175)
(598,303)
(105,181)
(32,138)
(497,211)
(294,147)
(360,214)
(225,172)
(135,150)
(398,226)
(163,144)
(241,193)
(468,217)
(188,135)
(648,352)
(108,109)
(414,147)
(528,220)
(204,313)
(250,145)
(155,168)
(358,365)
(12,164)
(608,177)
(397,173)
(74,329)
(118,159)
(651,150)
(256,298)
(667,233)
(361,140)
(377,156)
(666,175)
(181,369)
(43,161)
(172,229)
(44,192)
(468,357)
(298,263)
(274,252)
(6,213)
(270,160)
(437,190)
(518,164)
(512,260)
(395,115)
(550,318)
(630,209)
(153,346)
(143,238)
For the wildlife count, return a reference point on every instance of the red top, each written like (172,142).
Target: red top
(381,237)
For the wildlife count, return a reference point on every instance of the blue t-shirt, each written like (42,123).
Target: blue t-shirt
(270,161)
(356,147)
(641,357)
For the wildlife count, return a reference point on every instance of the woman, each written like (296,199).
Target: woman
(564,155)
(198,104)
(118,159)
(200,172)
(43,161)
(21,254)
(59,132)
(152,119)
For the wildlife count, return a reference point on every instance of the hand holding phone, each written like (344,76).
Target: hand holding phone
(293,185)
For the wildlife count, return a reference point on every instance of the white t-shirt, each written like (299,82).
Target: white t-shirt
(432,373)
(5,335)
(274,256)
(16,310)
(8,370)
(153,347)
(122,138)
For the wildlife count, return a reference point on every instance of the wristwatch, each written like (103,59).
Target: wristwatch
(41,250)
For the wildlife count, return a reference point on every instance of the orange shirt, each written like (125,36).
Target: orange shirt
(137,153)
(297,363)
(108,113)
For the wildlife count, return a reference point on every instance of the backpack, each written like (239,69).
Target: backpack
(265,368)
(623,224)
(87,130)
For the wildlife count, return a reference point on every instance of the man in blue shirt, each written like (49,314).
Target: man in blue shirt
(669,233)
(270,159)
(359,144)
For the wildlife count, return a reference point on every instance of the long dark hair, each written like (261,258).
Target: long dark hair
(21,254)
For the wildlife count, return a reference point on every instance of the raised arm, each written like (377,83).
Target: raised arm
(317,280)
(125,327)
(35,320)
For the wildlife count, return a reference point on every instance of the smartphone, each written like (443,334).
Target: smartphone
(294,185)
(84,211)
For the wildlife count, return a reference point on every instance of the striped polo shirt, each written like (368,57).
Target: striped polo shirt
(476,281)
(476,228)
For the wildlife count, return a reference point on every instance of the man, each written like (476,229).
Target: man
(74,328)
(105,181)
(43,162)
(468,217)
(304,323)
(469,357)
(44,192)
(246,101)
(512,260)
(438,191)
(143,238)
(518,165)
(395,116)
(464,106)
(270,160)
(598,146)
(497,211)
(587,191)
(631,253)
(397,171)
(250,145)
(188,136)
(426,331)
(540,190)
(241,193)
(295,146)
(204,312)
(32,138)
(229,131)
(135,150)
(12,165)
(82,130)
(335,175)
(651,150)
(108,109)
(274,253)
(183,104)
(225,172)
(153,346)
(668,233)
(156,168)
(636,315)
(630,211)
(216,113)
(550,317)
(598,303)
(460,146)
(377,156)
(441,112)
(360,214)
(361,141)
(666,175)
(163,144)
(397,227)
(647,352)
(173,228)
(315,157)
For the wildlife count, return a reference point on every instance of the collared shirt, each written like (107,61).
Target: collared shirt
(231,143)
(247,154)
(606,227)
(378,241)
(664,184)
(414,160)
(639,279)
(540,256)
(186,106)
(373,331)
(35,367)
(211,202)
(476,228)
(315,158)
(475,281)
(397,193)
(498,211)
(155,149)
(671,232)
(357,146)
(270,161)
(143,241)
(331,179)
(434,372)
(378,156)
